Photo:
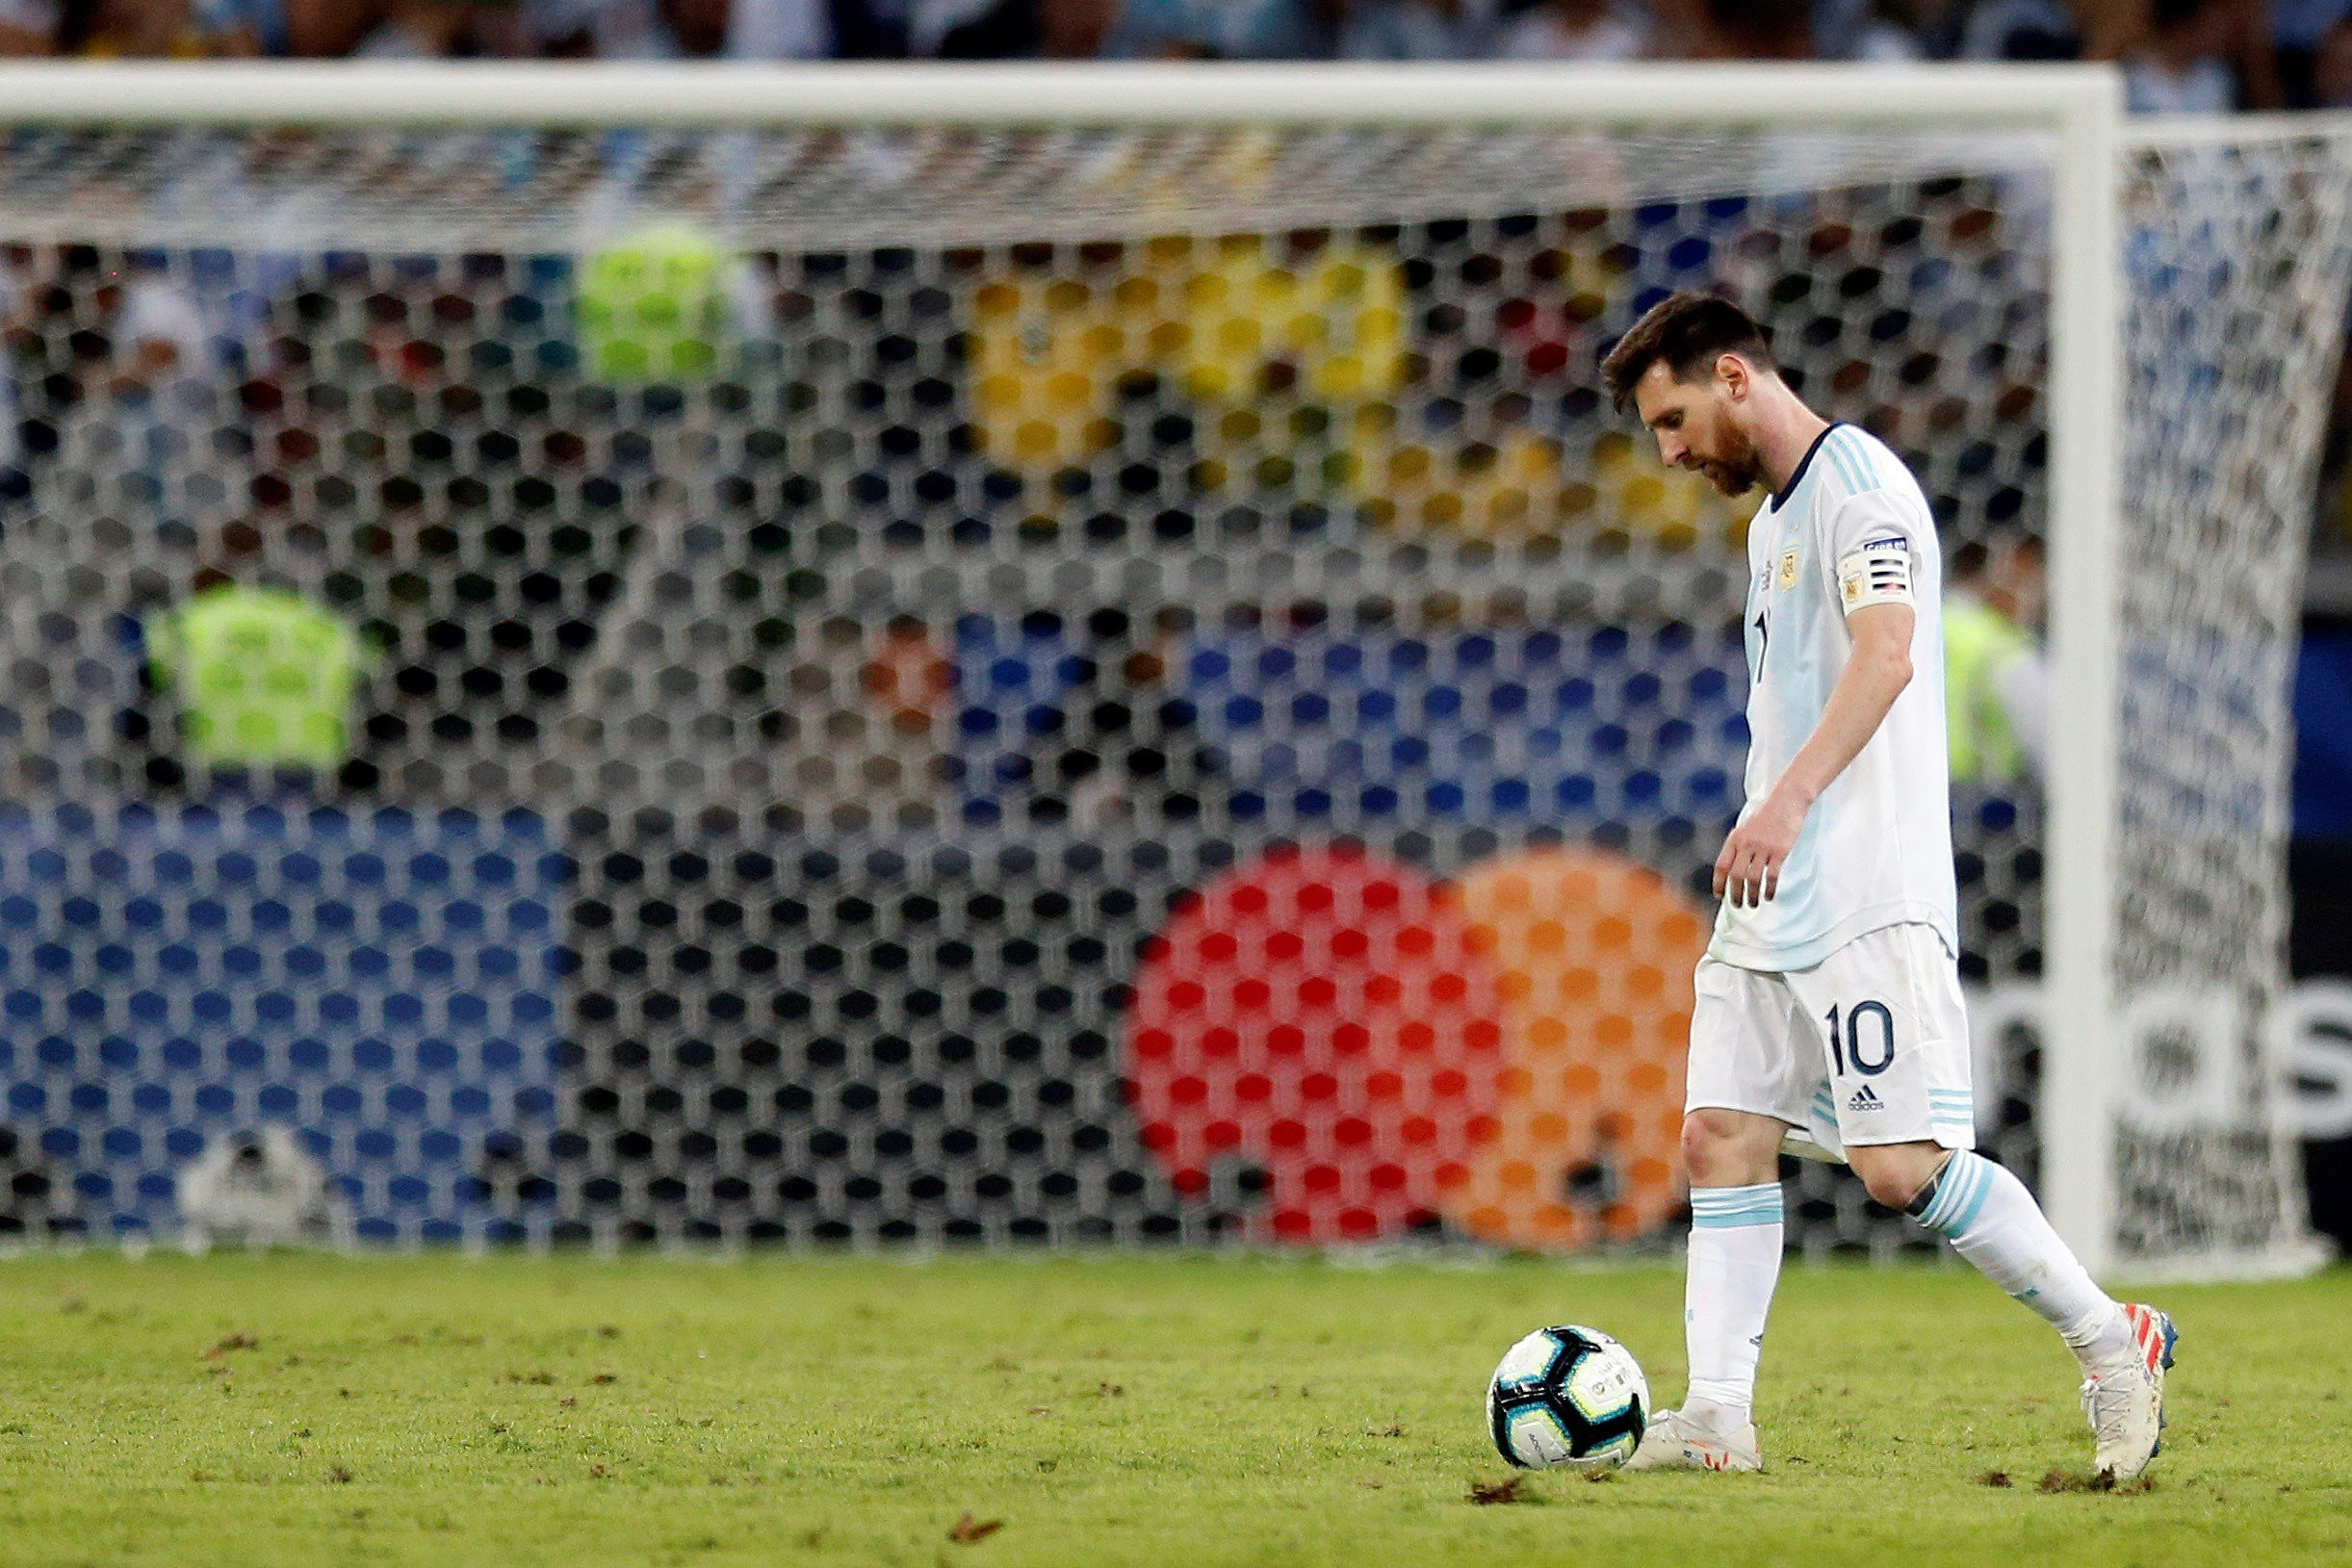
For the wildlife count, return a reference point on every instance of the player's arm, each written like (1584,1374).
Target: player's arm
(1876,670)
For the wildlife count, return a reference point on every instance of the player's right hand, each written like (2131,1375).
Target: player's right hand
(1749,869)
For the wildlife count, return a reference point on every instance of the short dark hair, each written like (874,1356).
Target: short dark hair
(1688,331)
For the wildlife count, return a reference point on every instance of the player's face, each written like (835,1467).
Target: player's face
(1698,426)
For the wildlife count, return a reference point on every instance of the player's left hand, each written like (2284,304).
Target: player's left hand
(1749,867)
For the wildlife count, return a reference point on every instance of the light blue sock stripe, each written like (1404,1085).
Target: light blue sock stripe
(1976,1199)
(1971,1173)
(1955,1175)
(1968,1180)
(1735,1208)
(1726,1199)
(1734,1195)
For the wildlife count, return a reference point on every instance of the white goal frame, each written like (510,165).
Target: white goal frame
(2080,105)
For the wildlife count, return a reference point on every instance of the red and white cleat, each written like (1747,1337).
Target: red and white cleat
(1673,1441)
(2126,1403)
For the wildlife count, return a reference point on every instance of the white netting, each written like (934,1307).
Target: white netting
(2238,264)
(1134,688)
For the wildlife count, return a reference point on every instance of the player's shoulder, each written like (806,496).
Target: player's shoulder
(1858,462)
(1856,465)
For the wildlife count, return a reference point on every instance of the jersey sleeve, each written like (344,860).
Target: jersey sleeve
(1875,540)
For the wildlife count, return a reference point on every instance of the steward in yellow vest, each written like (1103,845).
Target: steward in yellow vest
(264,678)
(1993,675)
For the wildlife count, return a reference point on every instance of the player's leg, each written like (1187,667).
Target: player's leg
(1896,1033)
(1741,1104)
(1733,1158)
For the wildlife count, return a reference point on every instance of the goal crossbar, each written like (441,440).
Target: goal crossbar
(736,95)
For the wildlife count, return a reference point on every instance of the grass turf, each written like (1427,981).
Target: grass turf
(1182,1412)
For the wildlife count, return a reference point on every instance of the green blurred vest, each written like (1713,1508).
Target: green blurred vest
(264,677)
(1979,644)
(653,307)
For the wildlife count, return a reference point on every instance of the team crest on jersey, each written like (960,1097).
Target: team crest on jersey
(1787,570)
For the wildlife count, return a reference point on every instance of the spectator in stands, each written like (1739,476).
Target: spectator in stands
(1221,30)
(2022,30)
(2202,57)
(907,29)
(1416,29)
(1995,682)
(1737,29)
(1029,30)
(128,402)
(446,30)
(138,30)
(629,28)
(162,327)
(148,434)
(2182,67)
(1586,29)
(28,27)
(242,28)
(1881,32)
(2332,68)
(301,28)
(2298,30)
(796,30)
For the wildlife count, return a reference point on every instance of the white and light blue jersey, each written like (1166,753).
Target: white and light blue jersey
(1850,528)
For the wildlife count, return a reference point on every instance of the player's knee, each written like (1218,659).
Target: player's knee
(1715,1148)
(1894,1176)
(1896,1188)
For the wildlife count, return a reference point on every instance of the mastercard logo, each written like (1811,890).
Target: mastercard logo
(1334,1047)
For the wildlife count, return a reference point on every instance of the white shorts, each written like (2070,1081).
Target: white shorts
(1867,1047)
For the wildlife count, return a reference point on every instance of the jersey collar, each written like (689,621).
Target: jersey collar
(1780,497)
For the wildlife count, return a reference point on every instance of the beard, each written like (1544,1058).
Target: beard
(1740,468)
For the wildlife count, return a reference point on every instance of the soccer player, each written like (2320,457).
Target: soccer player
(1828,1006)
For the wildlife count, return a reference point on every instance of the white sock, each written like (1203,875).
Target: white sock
(1994,1223)
(1735,1262)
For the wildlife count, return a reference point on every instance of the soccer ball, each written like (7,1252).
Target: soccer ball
(1568,1396)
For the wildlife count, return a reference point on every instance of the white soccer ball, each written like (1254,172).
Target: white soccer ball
(1567,1396)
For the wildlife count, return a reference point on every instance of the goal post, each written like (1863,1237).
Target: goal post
(2067,121)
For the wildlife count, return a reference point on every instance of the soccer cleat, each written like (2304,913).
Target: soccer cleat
(1673,1441)
(2125,1404)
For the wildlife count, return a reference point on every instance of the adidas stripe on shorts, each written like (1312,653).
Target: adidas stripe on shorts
(1867,1047)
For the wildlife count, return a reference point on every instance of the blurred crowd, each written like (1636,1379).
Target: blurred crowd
(2180,55)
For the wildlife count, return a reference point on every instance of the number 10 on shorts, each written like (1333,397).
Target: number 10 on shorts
(1864,1037)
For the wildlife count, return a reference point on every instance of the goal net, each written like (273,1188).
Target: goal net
(1081,681)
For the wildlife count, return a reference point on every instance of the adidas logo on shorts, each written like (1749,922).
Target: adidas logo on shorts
(1864,1100)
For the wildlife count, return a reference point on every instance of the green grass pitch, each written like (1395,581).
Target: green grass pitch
(1181,1412)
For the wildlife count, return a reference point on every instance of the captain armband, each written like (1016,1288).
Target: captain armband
(1880,573)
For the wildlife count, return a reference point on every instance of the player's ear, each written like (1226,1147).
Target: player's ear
(1731,374)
